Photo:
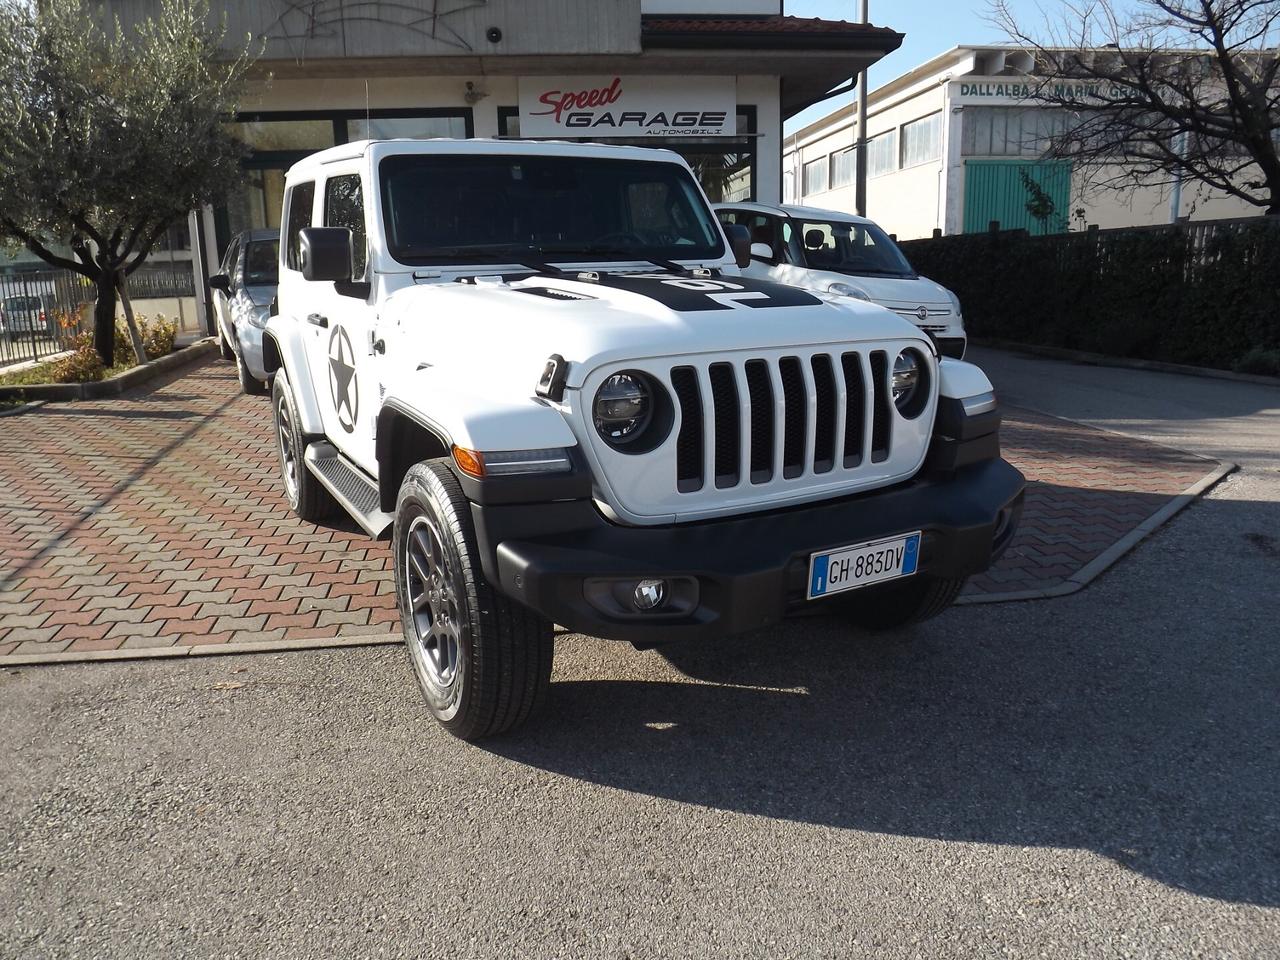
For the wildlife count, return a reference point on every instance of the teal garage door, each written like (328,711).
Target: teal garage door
(994,190)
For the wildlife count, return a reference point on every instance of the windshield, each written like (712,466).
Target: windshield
(861,249)
(501,209)
(261,262)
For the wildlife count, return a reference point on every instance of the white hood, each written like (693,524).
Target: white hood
(902,292)
(622,317)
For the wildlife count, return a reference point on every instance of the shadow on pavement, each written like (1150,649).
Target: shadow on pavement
(1145,731)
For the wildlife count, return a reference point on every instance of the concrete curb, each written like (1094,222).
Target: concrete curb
(208,650)
(114,386)
(23,408)
(1128,363)
(1105,560)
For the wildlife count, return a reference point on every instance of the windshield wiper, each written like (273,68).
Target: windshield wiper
(484,253)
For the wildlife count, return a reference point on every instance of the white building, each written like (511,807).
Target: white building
(948,144)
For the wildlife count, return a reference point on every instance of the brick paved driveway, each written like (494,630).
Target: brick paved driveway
(155,522)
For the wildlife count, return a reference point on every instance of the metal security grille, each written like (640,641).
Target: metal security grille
(793,417)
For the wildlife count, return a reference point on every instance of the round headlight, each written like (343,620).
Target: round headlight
(906,377)
(623,408)
(844,290)
(910,383)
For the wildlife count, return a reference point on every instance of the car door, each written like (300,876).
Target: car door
(221,300)
(349,357)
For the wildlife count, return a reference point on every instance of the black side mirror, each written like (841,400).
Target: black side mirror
(220,281)
(324,253)
(740,242)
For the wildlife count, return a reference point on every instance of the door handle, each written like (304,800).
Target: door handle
(379,346)
(318,320)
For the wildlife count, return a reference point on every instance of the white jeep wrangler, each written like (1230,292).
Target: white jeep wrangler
(537,365)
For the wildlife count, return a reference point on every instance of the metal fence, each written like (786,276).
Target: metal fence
(42,311)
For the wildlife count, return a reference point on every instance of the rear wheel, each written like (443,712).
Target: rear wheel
(911,601)
(483,662)
(307,498)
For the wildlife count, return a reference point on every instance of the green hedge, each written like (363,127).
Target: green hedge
(1206,293)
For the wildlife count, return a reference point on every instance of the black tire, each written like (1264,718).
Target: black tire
(248,382)
(496,672)
(900,604)
(306,497)
(223,347)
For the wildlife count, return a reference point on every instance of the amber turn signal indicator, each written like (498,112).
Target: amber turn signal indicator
(470,462)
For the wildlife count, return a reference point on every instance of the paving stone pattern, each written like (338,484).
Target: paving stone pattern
(156,520)
(1088,489)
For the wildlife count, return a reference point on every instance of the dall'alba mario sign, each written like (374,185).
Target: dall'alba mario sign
(603,107)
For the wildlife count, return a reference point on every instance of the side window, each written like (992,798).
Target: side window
(344,207)
(764,230)
(229,258)
(301,198)
(791,244)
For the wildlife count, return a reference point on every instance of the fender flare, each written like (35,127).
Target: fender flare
(282,348)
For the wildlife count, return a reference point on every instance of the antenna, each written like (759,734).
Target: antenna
(368,127)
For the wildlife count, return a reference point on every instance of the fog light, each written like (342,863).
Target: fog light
(650,594)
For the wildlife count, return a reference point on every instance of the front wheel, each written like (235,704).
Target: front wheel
(223,347)
(897,605)
(483,662)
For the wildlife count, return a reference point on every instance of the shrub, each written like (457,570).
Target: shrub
(1203,294)
(157,339)
(82,365)
(158,336)
(1260,360)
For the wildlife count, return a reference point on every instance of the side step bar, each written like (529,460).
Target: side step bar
(357,494)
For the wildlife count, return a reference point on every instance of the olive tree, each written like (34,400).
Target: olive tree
(1156,91)
(110,136)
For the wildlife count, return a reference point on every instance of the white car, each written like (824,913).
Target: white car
(242,296)
(529,364)
(839,253)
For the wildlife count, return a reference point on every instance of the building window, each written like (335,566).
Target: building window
(300,200)
(344,207)
(815,176)
(882,154)
(1010,131)
(922,140)
(391,128)
(844,167)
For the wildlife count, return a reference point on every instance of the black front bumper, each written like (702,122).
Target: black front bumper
(750,570)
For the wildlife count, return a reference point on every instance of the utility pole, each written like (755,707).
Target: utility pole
(860,141)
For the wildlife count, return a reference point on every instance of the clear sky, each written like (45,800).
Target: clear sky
(931,27)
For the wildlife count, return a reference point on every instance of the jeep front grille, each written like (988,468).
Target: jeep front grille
(750,422)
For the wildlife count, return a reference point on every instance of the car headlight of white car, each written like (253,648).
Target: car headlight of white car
(845,290)
(259,316)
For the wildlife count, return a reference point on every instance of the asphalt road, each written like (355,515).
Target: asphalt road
(1093,776)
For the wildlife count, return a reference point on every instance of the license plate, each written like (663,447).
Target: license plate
(862,564)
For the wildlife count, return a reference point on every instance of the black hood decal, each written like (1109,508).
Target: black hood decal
(686,294)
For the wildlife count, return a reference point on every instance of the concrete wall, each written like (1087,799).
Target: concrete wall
(182,309)
(323,29)
(694,7)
